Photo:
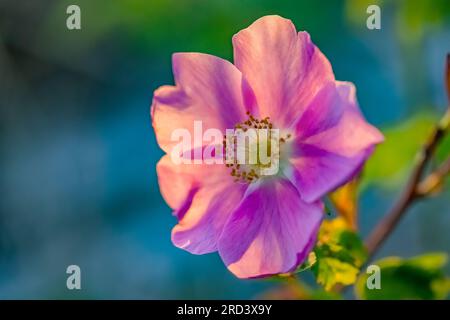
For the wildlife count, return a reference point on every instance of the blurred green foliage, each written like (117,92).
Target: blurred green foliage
(393,159)
(412,16)
(443,150)
(421,277)
(413,19)
(161,27)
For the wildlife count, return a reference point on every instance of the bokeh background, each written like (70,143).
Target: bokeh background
(78,154)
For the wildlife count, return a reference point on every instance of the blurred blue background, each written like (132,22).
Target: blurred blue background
(78,154)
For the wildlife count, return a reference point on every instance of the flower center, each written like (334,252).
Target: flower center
(254,150)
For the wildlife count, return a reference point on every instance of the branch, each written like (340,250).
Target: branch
(416,187)
(434,180)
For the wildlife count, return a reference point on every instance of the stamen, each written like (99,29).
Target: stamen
(248,173)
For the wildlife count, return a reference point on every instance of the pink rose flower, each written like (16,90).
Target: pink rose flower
(267,224)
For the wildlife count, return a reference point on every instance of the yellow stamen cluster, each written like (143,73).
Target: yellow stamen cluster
(249,173)
(253,123)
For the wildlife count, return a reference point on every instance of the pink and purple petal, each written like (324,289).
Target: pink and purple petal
(202,197)
(272,231)
(332,141)
(207,88)
(283,67)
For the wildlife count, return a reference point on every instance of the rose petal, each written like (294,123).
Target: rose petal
(283,67)
(207,88)
(203,197)
(332,141)
(271,232)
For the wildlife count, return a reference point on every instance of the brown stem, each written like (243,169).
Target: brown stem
(434,180)
(412,189)
(416,188)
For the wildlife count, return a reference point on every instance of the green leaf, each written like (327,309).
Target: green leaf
(420,277)
(393,159)
(339,254)
(312,259)
(331,271)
